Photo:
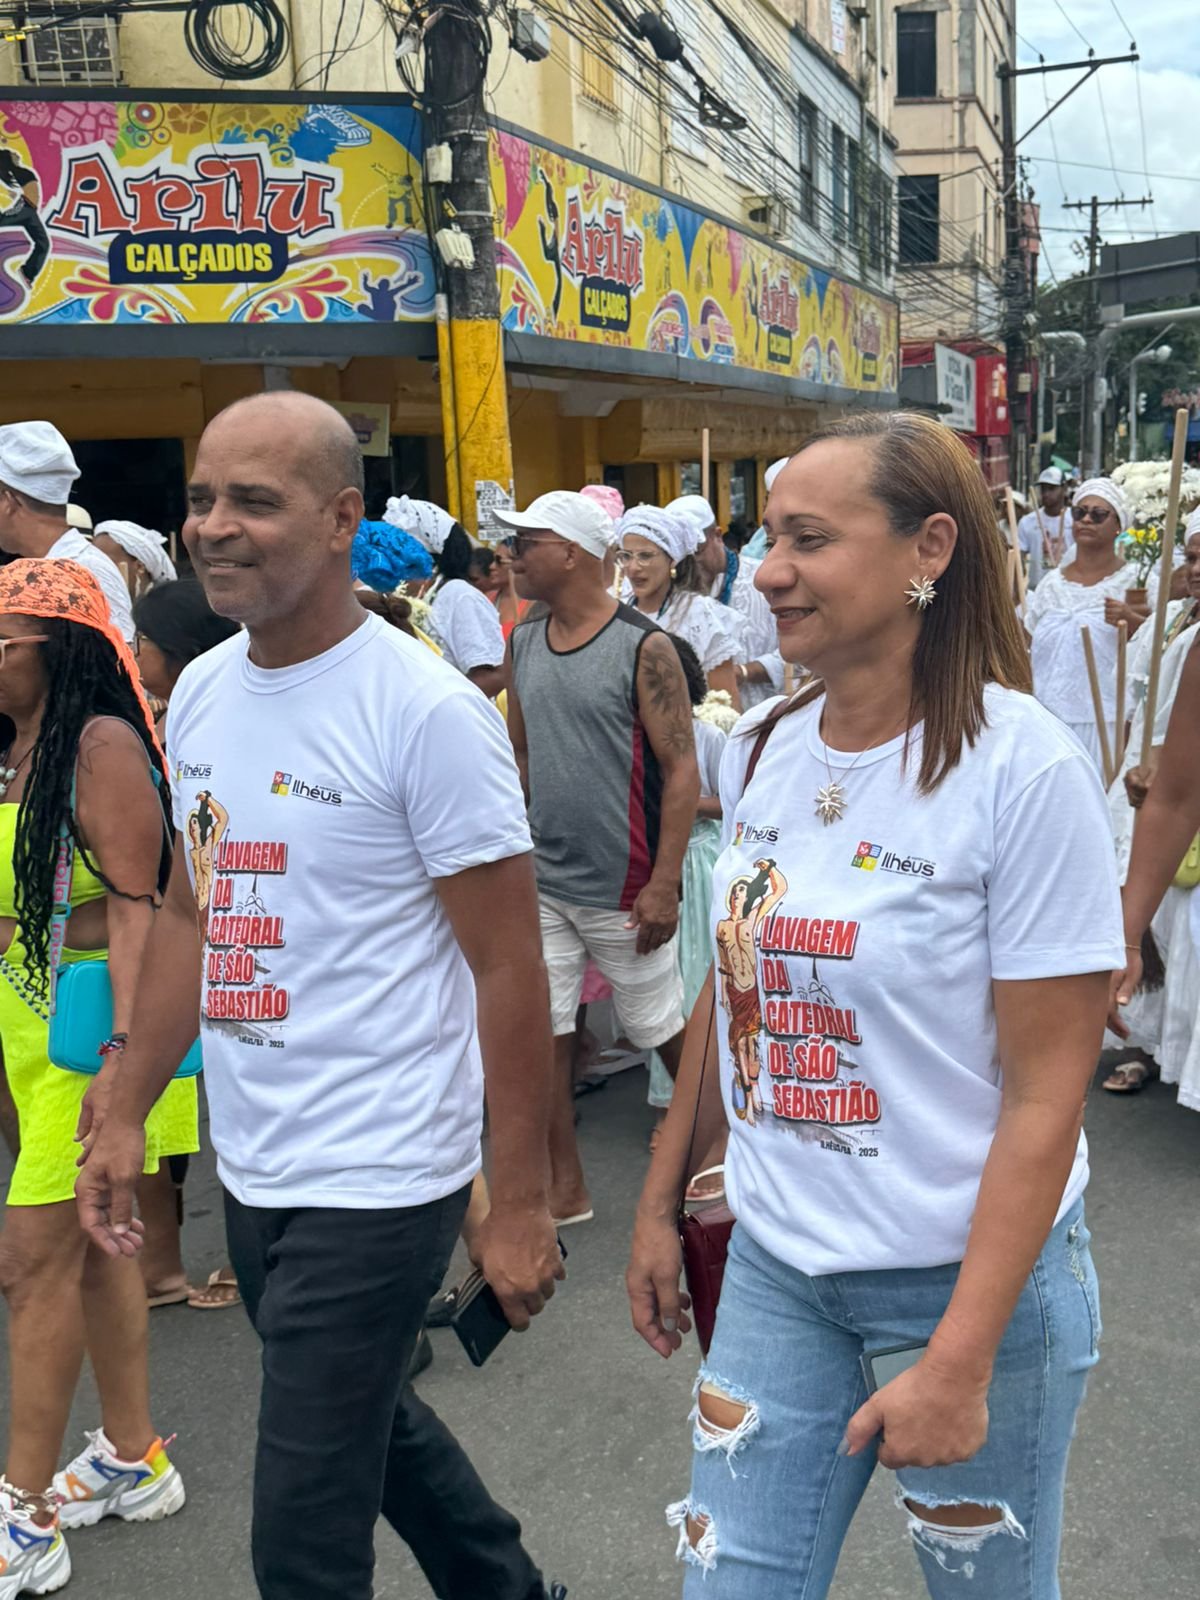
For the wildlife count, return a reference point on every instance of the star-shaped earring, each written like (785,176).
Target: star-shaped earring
(921,593)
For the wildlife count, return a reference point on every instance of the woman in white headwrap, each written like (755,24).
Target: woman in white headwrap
(139,552)
(462,618)
(1072,597)
(658,556)
(1162,1024)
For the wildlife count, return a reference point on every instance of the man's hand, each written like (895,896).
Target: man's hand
(517,1251)
(929,1416)
(1137,785)
(655,915)
(104,1188)
(1122,990)
(94,1107)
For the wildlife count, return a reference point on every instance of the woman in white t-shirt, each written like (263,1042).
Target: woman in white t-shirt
(658,557)
(915,913)
(1073,597)
(464,621)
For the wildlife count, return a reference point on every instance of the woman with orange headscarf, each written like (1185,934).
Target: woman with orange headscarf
(83,808)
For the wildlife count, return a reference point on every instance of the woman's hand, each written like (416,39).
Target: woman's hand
(656,1302)
(1122,989)
(930,1416)
(94,1107)
(1137,784)
(1120,611)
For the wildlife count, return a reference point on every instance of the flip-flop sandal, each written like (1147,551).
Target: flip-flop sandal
(569,1222)
(220,1292)
(1131,1077)
(700,1193)
(170,1297)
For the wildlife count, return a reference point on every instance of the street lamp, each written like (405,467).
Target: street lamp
(1152,352)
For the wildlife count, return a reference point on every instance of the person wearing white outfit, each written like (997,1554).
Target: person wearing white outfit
(1072,598)
(658,552)
(1161,1024)
(139,553)
(1045,533)
(730,579)
(462,619)
(37,470)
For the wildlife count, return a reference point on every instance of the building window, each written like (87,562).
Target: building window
(839,183)
(807,114)
(916,55)
(853,195)
(919,227)
(599,78)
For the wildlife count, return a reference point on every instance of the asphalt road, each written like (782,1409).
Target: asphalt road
(583,1432)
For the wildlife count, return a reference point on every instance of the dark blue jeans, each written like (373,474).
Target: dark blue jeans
(25,216)
(338,1299)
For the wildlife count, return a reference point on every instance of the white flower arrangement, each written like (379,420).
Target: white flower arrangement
(1146,485)
(717,708)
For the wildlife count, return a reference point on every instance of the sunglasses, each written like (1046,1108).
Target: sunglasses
(518,543)
(1093,514)
(24,638)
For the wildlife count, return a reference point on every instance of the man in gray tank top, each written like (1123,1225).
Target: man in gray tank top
(601,723)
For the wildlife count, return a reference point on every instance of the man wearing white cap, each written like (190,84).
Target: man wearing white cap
(601,722)
(730,576)
(1045,533)
(37,470)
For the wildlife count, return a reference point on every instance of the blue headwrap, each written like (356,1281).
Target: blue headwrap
(383,557)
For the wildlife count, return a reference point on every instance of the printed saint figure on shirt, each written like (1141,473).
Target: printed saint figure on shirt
(206,826)
(750,901)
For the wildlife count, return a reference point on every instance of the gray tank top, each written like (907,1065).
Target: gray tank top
(595,786)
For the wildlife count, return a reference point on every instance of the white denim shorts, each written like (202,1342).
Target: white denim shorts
(647,990)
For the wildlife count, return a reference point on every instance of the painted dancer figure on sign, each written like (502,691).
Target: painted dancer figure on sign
(548,233)
(19,196)
(750,901)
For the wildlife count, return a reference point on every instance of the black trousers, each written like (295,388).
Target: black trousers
(338,1298)
(26,216)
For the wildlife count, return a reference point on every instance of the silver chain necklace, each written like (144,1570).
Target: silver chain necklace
(831,797)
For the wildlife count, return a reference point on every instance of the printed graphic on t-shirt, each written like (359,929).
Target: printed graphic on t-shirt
(233,880)
(783,1013)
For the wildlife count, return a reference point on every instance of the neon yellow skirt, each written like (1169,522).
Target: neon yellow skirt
(47,1101)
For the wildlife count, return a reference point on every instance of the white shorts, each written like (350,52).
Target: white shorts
(647,990)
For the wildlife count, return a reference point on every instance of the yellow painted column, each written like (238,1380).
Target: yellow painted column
(481,453)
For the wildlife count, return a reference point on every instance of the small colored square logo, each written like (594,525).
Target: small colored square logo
(282,783)
(867,856)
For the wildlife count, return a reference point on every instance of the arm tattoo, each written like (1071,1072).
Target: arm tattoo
(666,691)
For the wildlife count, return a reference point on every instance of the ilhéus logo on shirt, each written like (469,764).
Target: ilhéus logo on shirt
(869,857)
(747,833)
(187,770)
(288,783)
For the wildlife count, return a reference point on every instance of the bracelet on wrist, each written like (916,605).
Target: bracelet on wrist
(1129,946)
(113,1045)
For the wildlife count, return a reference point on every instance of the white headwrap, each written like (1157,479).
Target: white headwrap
(773,472)
(1192,525)
(697,508)
(144,545)
(36,460)
(1104,489)
(424,520)
(679,536)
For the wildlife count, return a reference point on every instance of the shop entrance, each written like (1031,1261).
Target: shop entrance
(135,480)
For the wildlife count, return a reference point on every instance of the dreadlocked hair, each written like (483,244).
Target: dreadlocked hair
(84,680)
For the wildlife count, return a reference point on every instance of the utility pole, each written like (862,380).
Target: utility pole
(478,446)
(1018,299)
(1091,411)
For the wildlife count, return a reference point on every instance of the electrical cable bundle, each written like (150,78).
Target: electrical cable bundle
(211,47)
(469,20)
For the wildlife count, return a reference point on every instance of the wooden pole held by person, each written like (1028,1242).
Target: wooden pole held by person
(1097,705)
(1159,623)
(1015,546)
(1119,719)
(705,462)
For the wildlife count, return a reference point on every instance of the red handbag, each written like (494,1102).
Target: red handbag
(704,1234)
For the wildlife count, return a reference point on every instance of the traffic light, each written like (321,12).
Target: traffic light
(1141,402)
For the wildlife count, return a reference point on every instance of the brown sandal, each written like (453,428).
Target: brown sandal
(1131,1077)
(169,1297)
(219,1292)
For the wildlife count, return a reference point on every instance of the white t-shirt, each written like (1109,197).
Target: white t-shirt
(74,547)
(871,1014)
(467,626)
(710,747)
(338,1013)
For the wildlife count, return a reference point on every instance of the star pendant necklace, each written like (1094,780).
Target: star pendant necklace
(831,796)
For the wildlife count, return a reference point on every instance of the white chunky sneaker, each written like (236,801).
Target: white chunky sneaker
(99,1484)
(33,1560)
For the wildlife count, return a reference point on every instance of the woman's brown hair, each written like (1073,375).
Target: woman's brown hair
(970,635)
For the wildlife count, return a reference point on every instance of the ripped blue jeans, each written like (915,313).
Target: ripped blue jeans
(771,1499)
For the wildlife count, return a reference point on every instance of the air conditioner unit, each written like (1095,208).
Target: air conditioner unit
(769,212)
(78,51)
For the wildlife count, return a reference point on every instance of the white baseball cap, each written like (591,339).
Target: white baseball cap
(572,516)
(1053,476)
(36,460)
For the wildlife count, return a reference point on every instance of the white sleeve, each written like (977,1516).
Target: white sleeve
(108,575)
(710,745)
(716,630)
(459,786)
(1037,603)
(470,629)
(776,668)
(734,760)
(175,722)
(1054,904)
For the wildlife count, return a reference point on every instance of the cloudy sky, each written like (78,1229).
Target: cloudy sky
(1168,39)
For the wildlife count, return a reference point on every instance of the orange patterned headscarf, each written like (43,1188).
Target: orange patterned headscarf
(67,590)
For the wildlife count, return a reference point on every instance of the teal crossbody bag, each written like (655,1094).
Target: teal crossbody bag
(81,999)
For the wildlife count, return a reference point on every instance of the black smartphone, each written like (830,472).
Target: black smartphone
(881,1366)
(478,1318)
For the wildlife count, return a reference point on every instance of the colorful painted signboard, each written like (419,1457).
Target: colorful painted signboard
(586,256)
(168,212)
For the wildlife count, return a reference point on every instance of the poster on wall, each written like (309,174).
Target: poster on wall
(955,373)
(136,211)
(587,256)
